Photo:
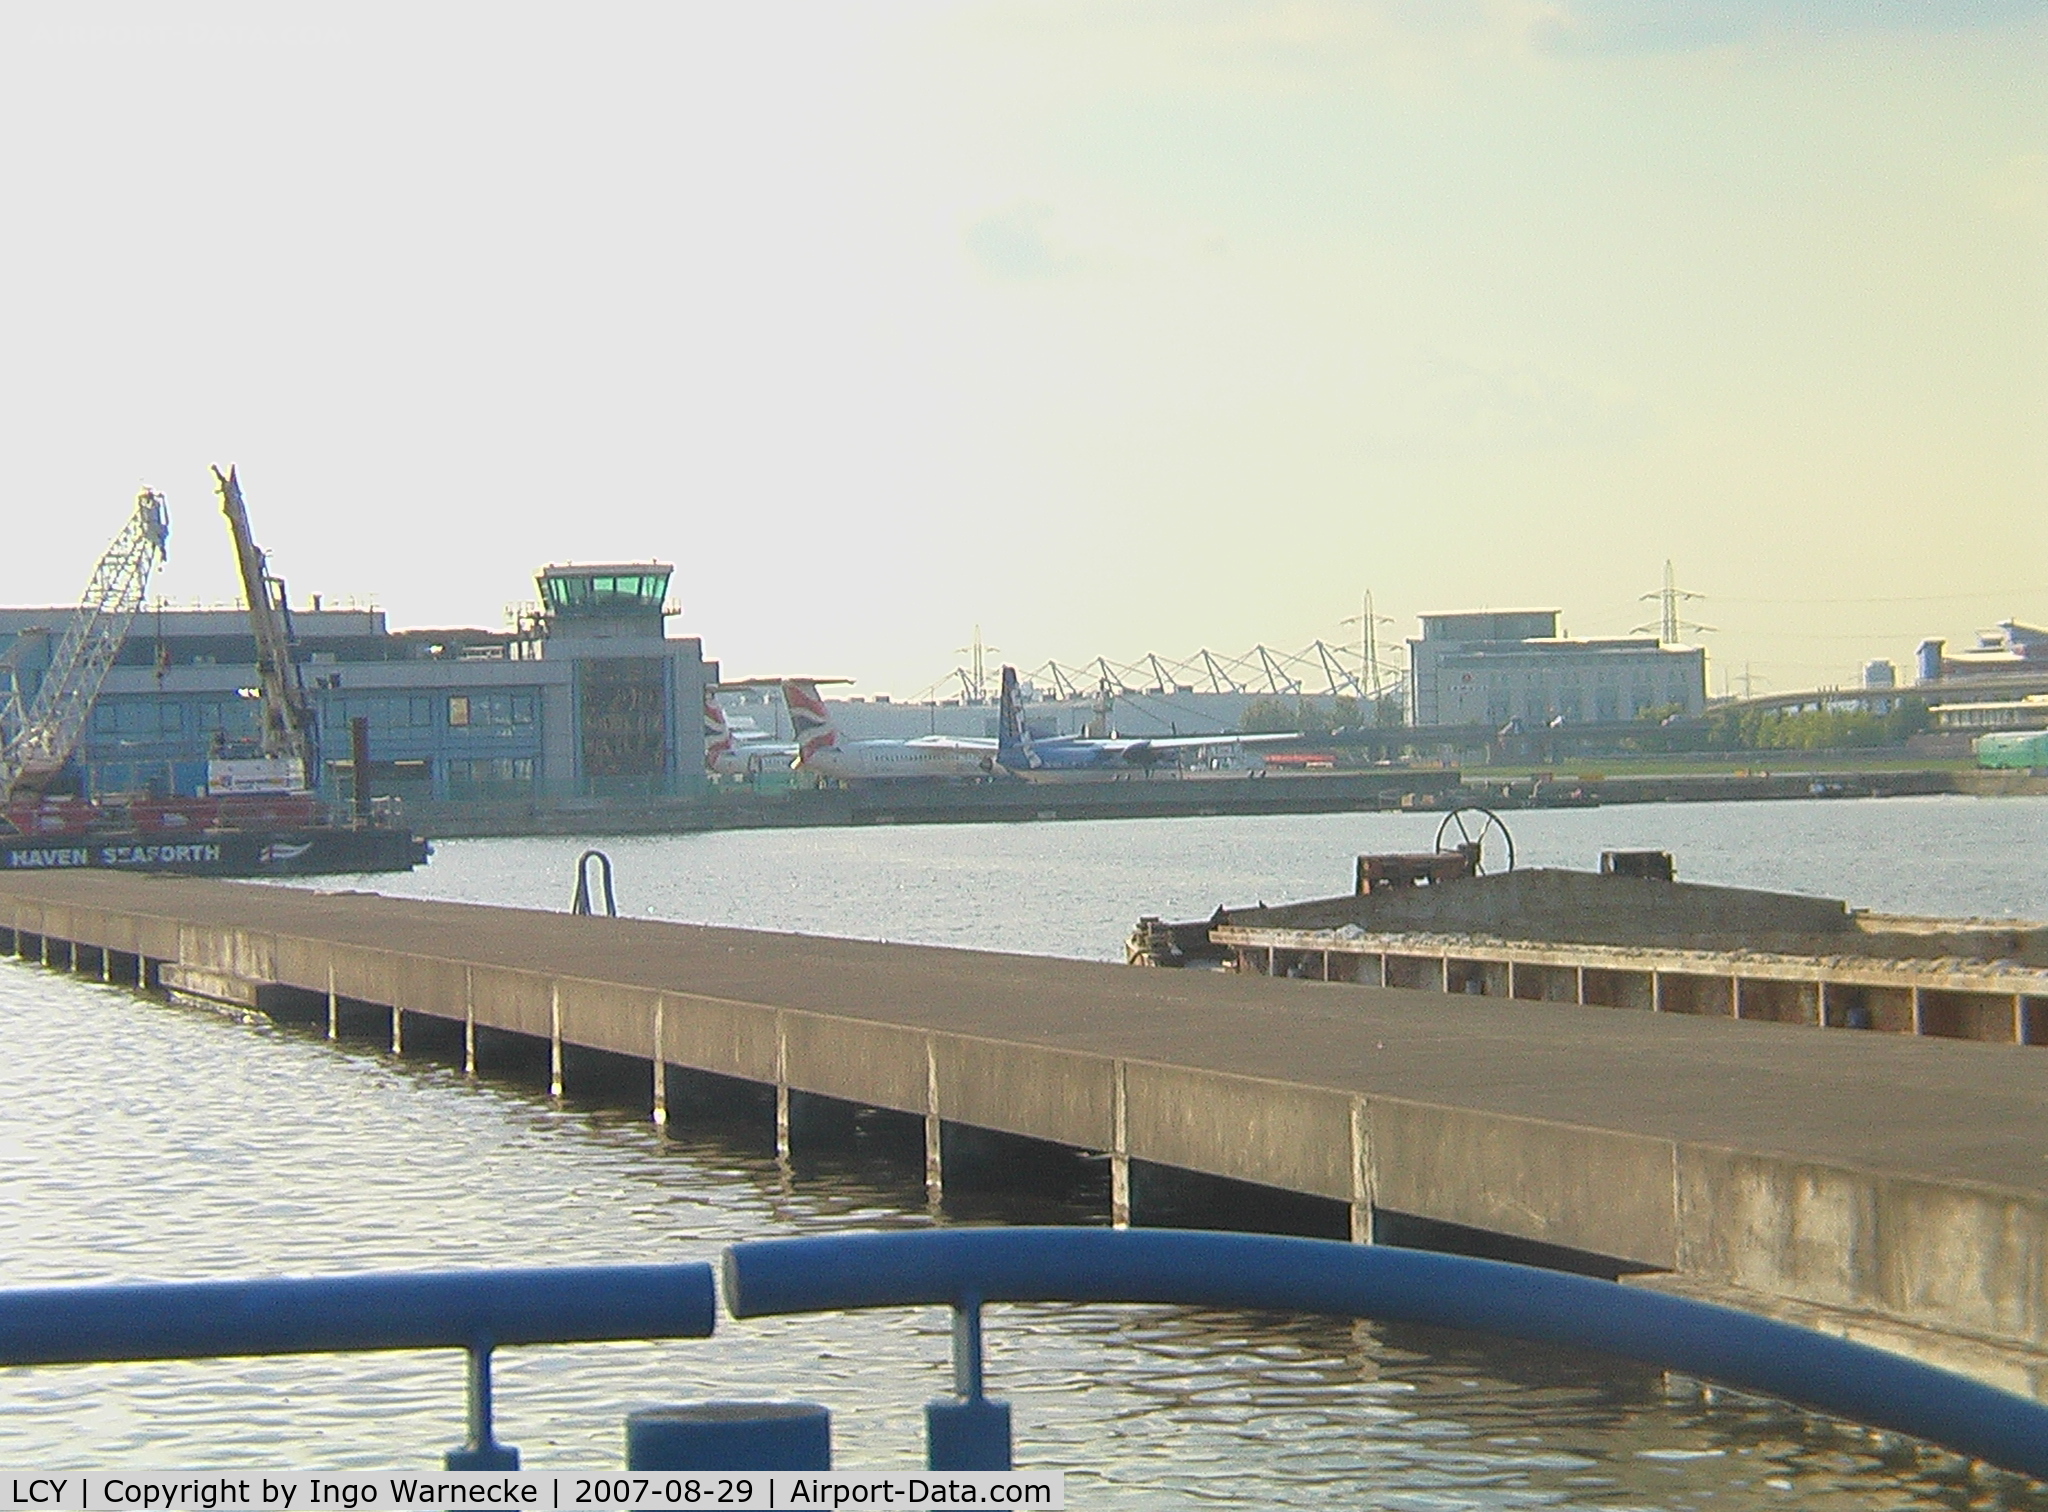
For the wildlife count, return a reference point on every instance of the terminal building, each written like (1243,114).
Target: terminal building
(1496,668)
(587,698)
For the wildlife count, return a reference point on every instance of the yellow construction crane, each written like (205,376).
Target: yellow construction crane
(287,716)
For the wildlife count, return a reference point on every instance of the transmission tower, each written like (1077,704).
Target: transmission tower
(1369,645)
(974,676)
(1669,627)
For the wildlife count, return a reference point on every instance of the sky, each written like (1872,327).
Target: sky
(1106,329)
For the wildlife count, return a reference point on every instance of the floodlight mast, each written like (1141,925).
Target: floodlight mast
(38,738)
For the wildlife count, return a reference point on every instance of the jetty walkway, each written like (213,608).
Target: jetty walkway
(1889,1188)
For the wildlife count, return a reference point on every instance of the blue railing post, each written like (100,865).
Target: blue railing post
(967,1431)
(483,1451)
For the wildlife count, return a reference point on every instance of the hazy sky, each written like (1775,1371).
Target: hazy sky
(1111,328)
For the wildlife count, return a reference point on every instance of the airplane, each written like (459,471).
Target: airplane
(823,749)
(727,753)
(1019,754)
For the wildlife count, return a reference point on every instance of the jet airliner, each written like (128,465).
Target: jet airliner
(823,749)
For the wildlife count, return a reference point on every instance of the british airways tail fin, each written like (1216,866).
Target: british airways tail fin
(809,719)
(718,741)
(1013,741)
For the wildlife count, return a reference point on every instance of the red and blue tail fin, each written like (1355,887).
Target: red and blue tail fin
(809,718)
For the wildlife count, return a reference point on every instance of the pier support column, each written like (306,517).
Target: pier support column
(660,1113)
(1361,1175)
(333,1007)
(397,1030)
(1919,1010)
(469,1021)
(555,1041)
(1120,1155)
(934,1143)
(1579,976)
(781,1091)
(106,964)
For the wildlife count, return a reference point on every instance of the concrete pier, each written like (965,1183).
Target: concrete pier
(1889,1187)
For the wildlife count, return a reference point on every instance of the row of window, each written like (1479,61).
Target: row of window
(471,710)
(168,719)
(491,777)
(488,777)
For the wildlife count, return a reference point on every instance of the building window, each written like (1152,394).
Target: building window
(495,711)
(489,778)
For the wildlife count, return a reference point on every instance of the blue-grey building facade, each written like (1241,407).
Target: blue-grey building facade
(587,698)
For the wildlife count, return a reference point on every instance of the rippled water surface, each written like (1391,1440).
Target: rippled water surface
(1075,889)
(139,1139)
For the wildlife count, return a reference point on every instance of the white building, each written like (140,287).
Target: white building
(1490,668)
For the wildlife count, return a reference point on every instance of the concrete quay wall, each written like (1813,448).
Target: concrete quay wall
(1891,1188)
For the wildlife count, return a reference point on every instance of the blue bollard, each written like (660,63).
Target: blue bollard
(730,1436)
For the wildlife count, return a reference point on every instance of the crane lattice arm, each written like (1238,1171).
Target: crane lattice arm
(38,738)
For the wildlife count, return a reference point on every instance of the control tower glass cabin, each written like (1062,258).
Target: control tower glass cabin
(625,596)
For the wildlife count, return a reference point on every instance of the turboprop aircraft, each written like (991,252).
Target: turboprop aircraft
(1018,753)
(823,749)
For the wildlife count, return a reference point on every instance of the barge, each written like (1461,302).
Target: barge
(283,836)
(1630,936)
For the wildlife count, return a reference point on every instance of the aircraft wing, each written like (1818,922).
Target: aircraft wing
(1189,742)
(953,743)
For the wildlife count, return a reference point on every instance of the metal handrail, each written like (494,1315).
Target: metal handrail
(964,1268)
(474,1311)
(581,904)
(477,1311)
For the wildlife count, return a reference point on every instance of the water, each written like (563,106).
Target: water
(145,1140)
(1075,889)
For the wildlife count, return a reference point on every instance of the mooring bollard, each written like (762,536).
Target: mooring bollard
(730,1436)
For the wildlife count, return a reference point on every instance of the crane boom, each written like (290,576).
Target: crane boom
(36,739)
(287,716)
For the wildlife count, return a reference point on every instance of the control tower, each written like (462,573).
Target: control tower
(632,694)
(604,601)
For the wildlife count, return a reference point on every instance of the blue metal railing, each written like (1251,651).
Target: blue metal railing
(478,1311)
(474,1311)
(964,1268)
